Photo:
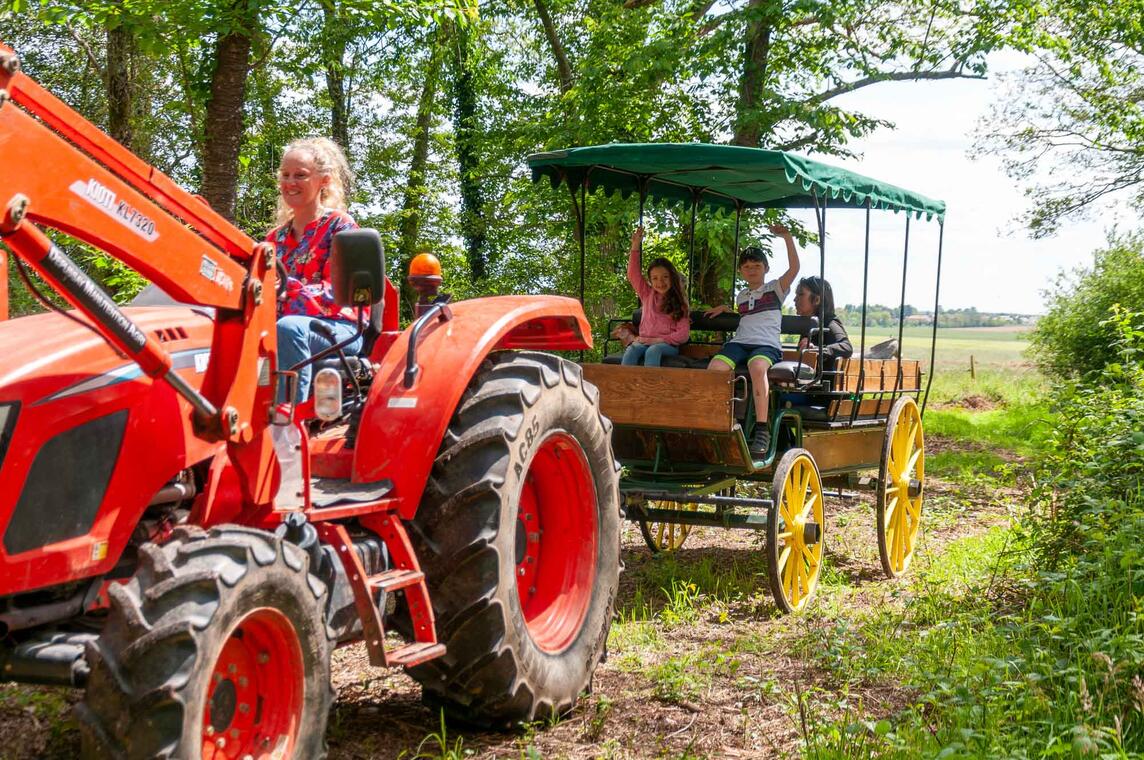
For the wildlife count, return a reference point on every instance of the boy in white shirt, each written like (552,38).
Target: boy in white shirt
(758,339)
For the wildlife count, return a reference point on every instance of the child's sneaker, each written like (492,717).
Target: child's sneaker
(761,442)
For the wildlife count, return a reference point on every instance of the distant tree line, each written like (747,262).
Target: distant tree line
(878,315)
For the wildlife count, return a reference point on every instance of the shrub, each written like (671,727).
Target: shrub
(1072,339)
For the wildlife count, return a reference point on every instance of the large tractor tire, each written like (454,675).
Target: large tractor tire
(519,537)
(216,648)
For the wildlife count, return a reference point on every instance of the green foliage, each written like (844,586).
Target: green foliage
(1071,125)
(436,746)
(1025,642)
(1073,338)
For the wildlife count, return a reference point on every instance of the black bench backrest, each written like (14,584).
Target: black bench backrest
(729,322)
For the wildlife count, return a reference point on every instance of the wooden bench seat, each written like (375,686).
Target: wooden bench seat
(877,376)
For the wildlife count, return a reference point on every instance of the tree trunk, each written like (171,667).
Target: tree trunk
(415,188)
(223,129)
(120,87)
(466,128)
(334,54)
(752,82)
(563,67)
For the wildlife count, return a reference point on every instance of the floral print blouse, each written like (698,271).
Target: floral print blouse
(307,262)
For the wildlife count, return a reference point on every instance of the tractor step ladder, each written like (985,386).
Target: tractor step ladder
(405,575)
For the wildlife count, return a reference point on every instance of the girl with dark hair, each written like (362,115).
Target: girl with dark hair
(812,298)
(666,320)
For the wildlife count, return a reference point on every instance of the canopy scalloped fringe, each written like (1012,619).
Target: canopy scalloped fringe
(722,178)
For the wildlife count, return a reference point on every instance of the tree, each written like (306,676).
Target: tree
(1072,339)
(223,124)
(1071,126)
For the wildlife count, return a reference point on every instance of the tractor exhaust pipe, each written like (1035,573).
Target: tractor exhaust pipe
(54,659)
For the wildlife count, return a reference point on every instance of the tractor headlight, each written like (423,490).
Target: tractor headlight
(7,423)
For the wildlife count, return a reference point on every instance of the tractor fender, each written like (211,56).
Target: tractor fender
(402,428)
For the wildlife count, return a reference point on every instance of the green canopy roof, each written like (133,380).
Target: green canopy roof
(724,176)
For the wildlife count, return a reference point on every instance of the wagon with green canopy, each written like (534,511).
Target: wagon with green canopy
(682,461)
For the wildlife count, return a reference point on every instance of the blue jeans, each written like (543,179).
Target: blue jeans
(296,341)
(651,355)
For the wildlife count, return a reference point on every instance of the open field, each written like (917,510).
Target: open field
(991,347)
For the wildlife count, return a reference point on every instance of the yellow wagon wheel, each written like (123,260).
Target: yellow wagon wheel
(666,536)
(796,524)
(900,486)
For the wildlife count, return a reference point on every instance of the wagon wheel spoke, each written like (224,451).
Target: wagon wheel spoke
(809,505)
(787,572)
(889,515)
(785,511)
(901,533)
(910,465)
(808,555)
(796,585)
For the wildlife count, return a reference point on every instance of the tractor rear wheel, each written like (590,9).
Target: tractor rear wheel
(217,647)
(518,534)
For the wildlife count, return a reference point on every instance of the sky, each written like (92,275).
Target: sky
(988,260)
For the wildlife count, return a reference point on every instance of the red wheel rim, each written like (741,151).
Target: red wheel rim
(556,542)
(254,701)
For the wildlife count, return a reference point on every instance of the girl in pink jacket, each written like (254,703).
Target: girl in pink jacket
(666,320)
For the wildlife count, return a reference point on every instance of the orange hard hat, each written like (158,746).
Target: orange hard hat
(425,264)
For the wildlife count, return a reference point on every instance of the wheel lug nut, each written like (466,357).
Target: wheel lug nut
(220,742)
(520,571)
(209,731)
(244,708)
(232,668)
(242,681)
(263,658)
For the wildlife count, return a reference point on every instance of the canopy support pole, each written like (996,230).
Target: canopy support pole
(735,255)
(691,253)
(820,215)
(643,199)
(902,309)
(936,297)
(856,405)
(583,232)
(580,210)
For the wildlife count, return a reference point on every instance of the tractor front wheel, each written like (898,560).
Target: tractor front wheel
(519,537)
(216,648)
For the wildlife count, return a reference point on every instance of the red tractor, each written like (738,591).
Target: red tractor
(190,554)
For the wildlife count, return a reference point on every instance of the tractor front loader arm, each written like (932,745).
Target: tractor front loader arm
(58,170)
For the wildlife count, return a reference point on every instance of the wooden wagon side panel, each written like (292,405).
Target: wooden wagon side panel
(837,451)
(662,397)
(673,449)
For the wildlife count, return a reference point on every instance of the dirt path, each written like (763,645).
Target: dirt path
(715,671)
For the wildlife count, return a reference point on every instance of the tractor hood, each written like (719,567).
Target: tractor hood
(44,355)
(86,440)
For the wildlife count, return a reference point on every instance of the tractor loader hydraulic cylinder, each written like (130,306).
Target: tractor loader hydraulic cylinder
(71,282)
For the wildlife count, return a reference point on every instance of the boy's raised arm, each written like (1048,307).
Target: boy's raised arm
(792,256)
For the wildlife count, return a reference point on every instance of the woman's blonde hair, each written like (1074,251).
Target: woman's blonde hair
(331,162)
